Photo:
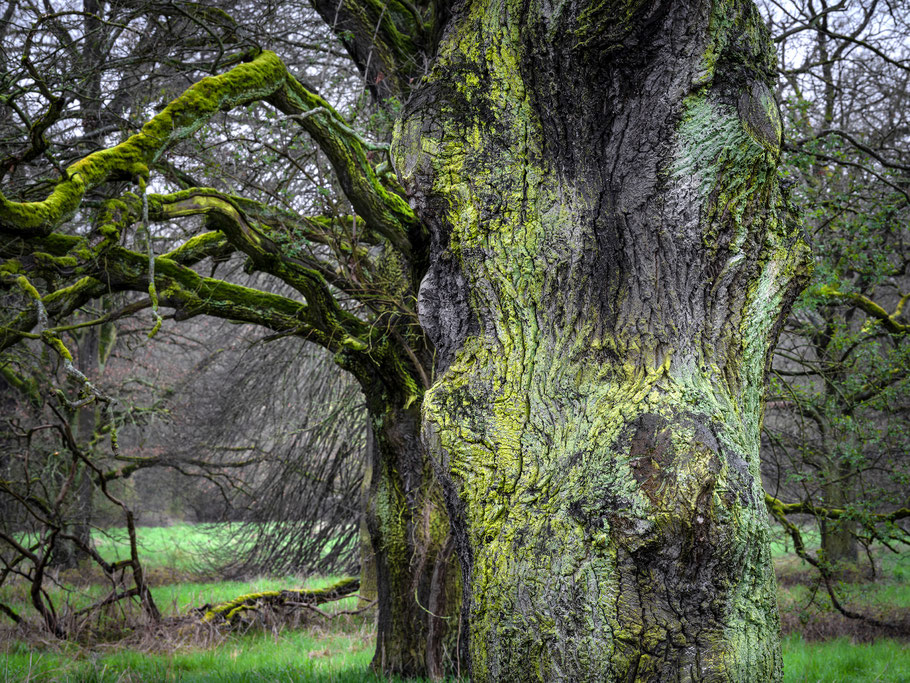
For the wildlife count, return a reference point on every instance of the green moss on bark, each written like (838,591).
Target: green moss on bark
(245,83)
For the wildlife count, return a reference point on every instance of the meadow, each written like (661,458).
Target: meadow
(338,645)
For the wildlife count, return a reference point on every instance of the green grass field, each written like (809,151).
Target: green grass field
(340,649)
(302,656)
(180,547)
(296,656)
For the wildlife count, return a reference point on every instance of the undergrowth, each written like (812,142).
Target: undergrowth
(307,646)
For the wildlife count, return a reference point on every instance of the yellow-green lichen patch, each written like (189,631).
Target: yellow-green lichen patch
(600,423)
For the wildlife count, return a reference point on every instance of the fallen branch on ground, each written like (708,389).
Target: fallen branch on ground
(232,610)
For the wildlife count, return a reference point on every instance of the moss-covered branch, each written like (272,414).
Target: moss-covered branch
(211,244)
(807,508)
(232,610)
(871,308)
(24,384)
(264,77)
(241,85)
(180,288)
(87,268)
(318,229)
(278,241)
(384,211)
(58,303)
(107,266)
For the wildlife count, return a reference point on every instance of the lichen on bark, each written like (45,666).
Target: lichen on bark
(609,200)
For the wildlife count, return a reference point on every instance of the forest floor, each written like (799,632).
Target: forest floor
(819,643)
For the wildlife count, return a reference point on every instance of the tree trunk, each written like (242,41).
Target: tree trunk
(83,509)
(612,259)
(417,578)
(416,570)
(77,521)
(838,542)
(838,539)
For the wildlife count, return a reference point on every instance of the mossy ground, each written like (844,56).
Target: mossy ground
(340,649)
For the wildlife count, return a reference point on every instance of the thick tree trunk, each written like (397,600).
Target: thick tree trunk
(611,261)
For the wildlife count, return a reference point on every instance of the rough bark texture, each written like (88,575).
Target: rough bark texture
(417,582)
(612,258)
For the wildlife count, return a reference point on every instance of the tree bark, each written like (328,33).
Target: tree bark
(417,584)
(417,578)
(612,257)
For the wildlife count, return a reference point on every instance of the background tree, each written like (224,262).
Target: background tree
(837,435)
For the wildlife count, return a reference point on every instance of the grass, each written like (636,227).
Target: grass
(303,656)
(295,655)
(841,661)
(341,649)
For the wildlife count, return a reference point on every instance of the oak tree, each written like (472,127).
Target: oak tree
(581,203)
